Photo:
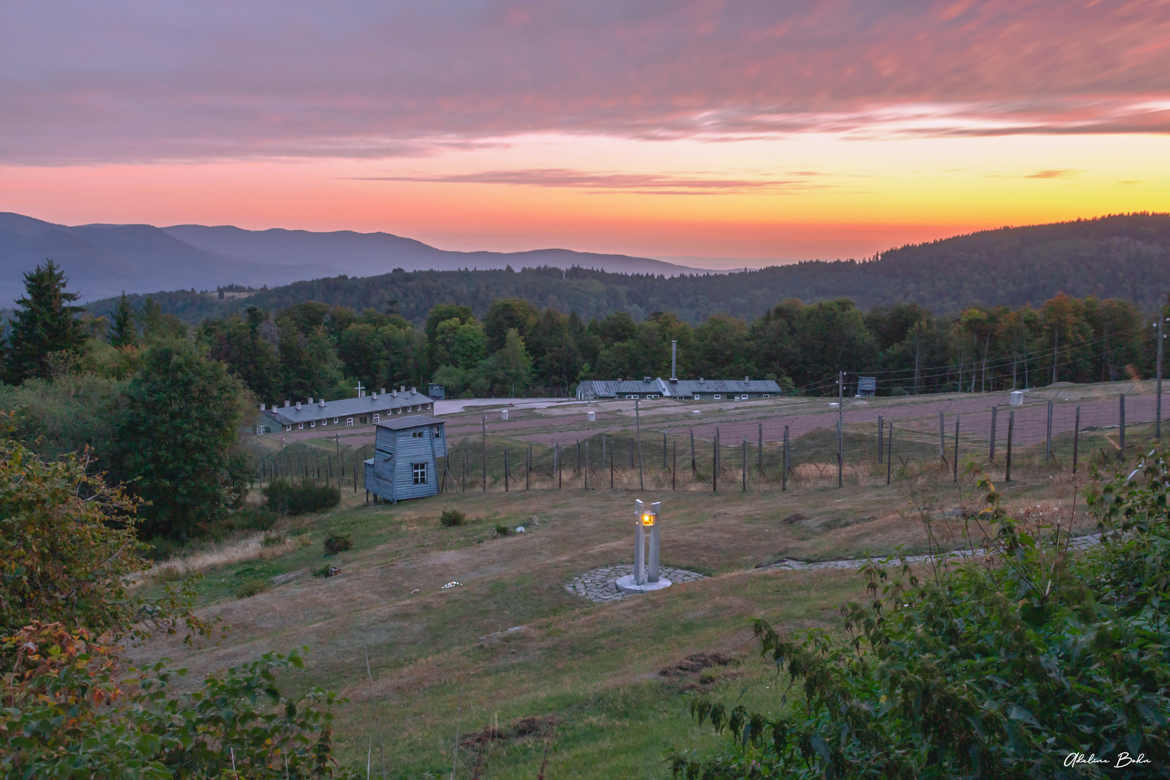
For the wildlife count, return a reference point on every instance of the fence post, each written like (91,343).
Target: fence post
(559,467)
(991,444)
(1121,413)
(611,468)
(840,452)
(955,464)
(355,478)
(890,453)
(664,450)
(506,469)
(674,465)
(743,489)
(463,474)
(942,447)
(760,448)
(1007,474)
(784,466)
(694,467)
(638,438)
(578,454)
(483,457)
(1076,438)
(556,461)
(1048,435)
(715,462)
(586,464)
(881,430)
(528,470)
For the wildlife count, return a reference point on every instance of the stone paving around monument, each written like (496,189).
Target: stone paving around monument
(598,584)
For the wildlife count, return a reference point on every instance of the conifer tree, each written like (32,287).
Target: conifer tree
(124,331)
(45,322)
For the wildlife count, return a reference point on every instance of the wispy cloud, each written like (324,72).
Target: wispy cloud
(640,183)
(131,81)
(1054,173)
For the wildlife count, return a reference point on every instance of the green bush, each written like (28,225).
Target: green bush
(1001,666)
(251,588)
(451,517)
(502,530)
(335,543)
(288,498)
(69,713)
(272,540)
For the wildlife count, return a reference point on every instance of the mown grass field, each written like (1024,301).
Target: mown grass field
(570,685)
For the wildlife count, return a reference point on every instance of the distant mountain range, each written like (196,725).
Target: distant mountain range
(1124,256)
(103,260)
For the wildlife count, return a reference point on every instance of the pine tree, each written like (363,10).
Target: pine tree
(44,323)
(124,332)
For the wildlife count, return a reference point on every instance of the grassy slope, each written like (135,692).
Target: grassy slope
(441,661)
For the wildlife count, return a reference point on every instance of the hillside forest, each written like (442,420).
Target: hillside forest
(1122,256)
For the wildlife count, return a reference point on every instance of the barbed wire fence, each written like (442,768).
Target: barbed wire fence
(867,443)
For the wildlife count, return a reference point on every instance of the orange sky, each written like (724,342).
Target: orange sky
(677,130)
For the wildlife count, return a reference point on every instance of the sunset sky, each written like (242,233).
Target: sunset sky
(744,131)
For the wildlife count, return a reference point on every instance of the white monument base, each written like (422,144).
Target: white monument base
(627,584)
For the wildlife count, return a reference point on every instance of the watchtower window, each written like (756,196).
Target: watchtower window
(418,473)
(416,434)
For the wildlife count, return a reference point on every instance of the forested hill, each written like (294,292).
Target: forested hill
(1125,256)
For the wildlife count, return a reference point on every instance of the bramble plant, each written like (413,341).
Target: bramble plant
(996,667)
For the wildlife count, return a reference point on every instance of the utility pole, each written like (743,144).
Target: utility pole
(840,427)
(1158,385)
(1055,346)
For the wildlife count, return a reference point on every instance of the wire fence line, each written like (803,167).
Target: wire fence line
(861,444)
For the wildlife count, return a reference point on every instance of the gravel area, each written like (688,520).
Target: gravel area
(598,584)
(788,564)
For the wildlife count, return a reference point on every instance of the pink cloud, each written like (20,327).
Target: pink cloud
(129,81)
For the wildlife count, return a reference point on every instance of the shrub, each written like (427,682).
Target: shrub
(272,540)
(253,518)
(251,588)
(451,517)
(68,712)
(502,530)
(335,543)
(287,498)
(995,667)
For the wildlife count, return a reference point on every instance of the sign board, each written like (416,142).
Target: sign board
(866,386)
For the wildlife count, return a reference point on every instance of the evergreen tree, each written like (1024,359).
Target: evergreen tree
(124,332)
(45,323)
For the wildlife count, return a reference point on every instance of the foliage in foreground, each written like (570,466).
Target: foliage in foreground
(67,710)
(1001,667)
(69,706)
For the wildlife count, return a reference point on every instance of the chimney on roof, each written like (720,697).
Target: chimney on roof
(287,403)
(321,402)
(402,388)
(382,391)
(413,390)
(374,396)
(298,406)
(674,360)
(747,379)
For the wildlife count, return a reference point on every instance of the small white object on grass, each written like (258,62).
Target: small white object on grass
(520,529)
(451,584)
